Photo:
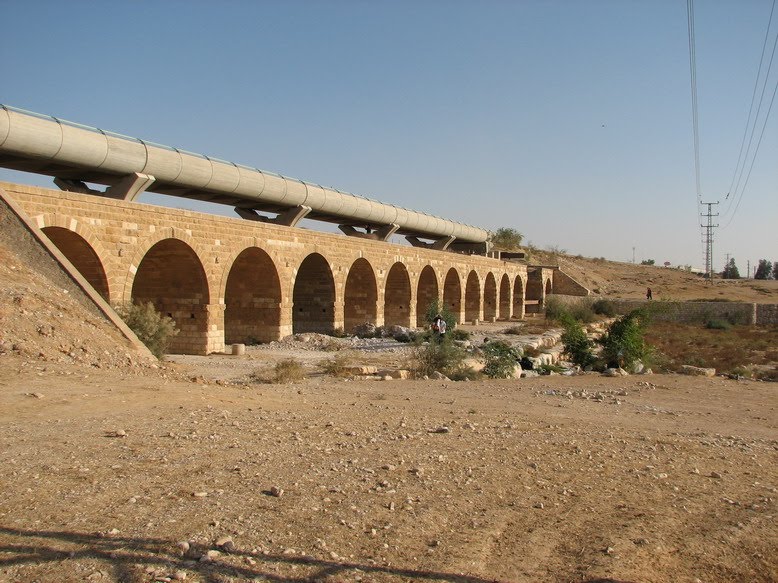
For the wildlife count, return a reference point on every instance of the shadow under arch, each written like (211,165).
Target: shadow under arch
(360,296)
(313,296)
(397,296)
(452,293)
(472,297)
(505,298)
(82,255)
(518,297)
(172,278)
(427,293)
(252,299)
(490,298)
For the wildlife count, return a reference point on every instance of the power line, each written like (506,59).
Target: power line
(759,143)
(753,128)
(753,98)
(693,79)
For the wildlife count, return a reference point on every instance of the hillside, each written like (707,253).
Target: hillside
(629,281)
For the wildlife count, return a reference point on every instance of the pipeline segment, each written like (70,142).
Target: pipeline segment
(47,145)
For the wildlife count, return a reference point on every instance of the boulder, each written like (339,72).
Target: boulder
(366,330)
(615,372)
(697,371)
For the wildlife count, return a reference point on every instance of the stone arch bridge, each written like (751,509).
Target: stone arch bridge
(229,280)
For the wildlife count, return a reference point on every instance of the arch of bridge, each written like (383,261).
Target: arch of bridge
(145,245)
(90,237)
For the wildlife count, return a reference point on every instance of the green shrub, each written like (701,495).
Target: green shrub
(555,309)
(715,324)
(582,310)
(460,335)
(623,343)
(577,344)
(152,328)
(549,368)
(435,308)
(444,357)
(604,307)
(517,330)
(501,359)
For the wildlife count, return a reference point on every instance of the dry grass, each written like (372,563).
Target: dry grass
(737,349)
(338,366)
(284,372)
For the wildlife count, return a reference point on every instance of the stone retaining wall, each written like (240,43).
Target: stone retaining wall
(733,312)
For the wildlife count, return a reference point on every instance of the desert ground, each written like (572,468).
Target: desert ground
(117,468)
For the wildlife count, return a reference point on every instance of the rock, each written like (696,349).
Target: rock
(528,374)
(615,372)
(366,330)
(276,492)
(210,556)
(474,363)
(362,370)
(441,429)
(697,371)
(715,475)
(396,374)
(399,333)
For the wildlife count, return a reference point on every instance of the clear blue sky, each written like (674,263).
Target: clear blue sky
(570,121)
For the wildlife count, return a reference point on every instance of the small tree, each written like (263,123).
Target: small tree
(507,239)
(647,262)
(622,343)
(437,308)
(501,359)
(730,270)
(577,344)
(775,270)
(444,357)
(763,270)
(152,328)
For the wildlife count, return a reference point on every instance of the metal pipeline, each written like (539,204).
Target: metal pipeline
(46,145)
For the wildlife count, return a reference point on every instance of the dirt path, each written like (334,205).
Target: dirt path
(666,478)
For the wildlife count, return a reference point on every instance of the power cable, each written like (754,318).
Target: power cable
(759,143)
(753,128)
(751,108)
(695,119)
(693,79)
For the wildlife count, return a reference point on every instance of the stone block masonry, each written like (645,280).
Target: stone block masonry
(701,312)
(227,280)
